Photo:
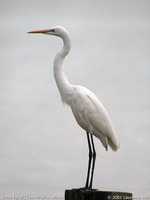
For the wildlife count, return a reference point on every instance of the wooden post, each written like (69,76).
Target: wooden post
(94,194)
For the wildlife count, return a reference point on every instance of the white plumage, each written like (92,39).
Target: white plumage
(92,116)
(88,111)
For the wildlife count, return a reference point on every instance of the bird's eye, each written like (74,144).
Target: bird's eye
(52,30)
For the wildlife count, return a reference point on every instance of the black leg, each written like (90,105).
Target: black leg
(94,158)
(90,159)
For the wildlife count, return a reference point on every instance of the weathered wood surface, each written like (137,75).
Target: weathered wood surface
(85,194)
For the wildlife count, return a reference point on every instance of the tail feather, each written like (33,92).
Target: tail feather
(113,145)
(102,138)
(106,141)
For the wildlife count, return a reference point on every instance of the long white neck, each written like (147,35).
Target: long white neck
(63,85)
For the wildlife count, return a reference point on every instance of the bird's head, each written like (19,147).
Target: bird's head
(56,31)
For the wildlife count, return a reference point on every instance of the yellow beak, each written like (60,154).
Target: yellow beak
(40,31)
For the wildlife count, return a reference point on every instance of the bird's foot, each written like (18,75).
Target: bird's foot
(85,188)
(88,189)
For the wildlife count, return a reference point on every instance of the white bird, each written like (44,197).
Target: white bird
(88,111)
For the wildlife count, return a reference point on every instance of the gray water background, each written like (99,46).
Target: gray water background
(42,149)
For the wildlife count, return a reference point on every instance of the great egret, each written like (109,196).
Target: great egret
(88,111)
